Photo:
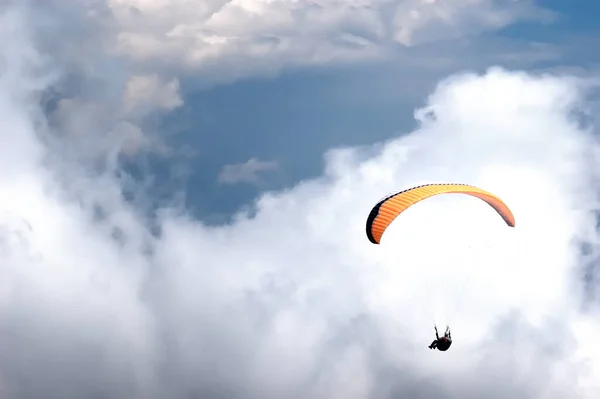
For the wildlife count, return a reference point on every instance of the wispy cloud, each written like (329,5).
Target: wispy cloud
(257,36)
(246,172)
(419,21)
(153,92)
(129,56)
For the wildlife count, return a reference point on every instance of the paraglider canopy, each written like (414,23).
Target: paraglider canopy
(386,210)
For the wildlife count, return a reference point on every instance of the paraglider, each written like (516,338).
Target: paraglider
(388,209)
(441,344)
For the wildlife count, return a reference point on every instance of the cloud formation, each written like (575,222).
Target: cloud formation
(152,90)
(129,56)
(261,36)
(246,172)
(98,300)
(419,21)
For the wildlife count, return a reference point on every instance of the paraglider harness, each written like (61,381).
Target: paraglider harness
(441,344)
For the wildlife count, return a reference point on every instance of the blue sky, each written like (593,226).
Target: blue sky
(573,17)
(294,117)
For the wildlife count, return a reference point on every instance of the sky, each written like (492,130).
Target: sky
(185,186)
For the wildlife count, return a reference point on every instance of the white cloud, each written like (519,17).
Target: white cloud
(151,91)
(246,172)
(93,130)
(418,21)
(121,58)
(295,302)
(102,102)
(260,35)
(293,279)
